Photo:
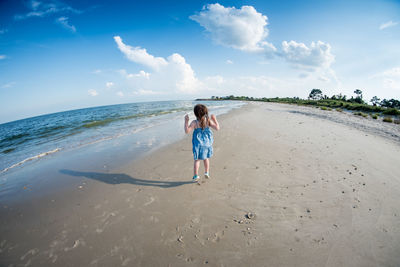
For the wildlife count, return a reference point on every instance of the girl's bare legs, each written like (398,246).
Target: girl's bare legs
(206,165)
(196,166)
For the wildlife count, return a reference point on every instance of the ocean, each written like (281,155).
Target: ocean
(148,125)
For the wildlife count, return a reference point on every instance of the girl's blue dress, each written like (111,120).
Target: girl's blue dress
(202,141)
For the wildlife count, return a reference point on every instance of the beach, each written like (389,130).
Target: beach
(289,186)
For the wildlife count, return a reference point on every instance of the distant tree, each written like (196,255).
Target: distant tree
(358,92)
(375,100)
(391,103)
(359,96)
(315,94)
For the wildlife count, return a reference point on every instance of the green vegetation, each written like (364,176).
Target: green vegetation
(387,119)
(339,102)
(391,111)
(361,114)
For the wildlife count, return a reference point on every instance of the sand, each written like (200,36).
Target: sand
(289,186)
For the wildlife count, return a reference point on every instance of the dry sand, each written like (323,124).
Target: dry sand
(288,187)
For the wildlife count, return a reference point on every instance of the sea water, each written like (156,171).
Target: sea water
(147,124)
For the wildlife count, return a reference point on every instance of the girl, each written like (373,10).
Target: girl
(202,139)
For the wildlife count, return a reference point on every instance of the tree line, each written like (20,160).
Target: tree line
(316,94)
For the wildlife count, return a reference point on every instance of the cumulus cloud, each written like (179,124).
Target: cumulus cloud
(63,21)
(317,55)
(120,94)
(92,92)
(45,8)
(387,25)
(140,55)
(244,29)
(109,84)
(2,57)
(173,73)
(229,61)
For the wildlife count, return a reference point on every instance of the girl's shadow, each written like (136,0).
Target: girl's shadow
(120,178)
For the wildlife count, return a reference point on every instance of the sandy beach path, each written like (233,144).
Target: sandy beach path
(286,189)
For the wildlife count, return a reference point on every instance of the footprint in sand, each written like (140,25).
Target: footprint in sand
(105,221)
(76,244)
(152,199)
(32,252)
(217,236)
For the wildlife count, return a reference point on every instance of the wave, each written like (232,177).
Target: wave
(9,150)
(4,142)
(98,123)
(31,158)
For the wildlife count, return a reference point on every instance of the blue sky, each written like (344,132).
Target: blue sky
(61,55)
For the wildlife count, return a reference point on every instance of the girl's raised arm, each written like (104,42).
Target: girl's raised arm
(214,123)
(188,128)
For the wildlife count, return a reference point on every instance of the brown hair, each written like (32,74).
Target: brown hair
(201,113)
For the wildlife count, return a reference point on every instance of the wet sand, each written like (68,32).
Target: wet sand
(289,186)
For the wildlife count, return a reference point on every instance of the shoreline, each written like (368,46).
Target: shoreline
(286,189)
(141,125)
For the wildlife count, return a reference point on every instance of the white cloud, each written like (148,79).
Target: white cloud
(256,86)
(390,78)
(120,94)
(387,25)
(97,71)
(246,29)
(2,57)
(141,74)
(140,55)
(92,92)
(389,73)
(109,84)
(394,72)
(45,8)
(323,79)
(171,74)
(8,85)
(391,83)
(145,92)
(243,29)
(229,61)
(318,55)
(63,21)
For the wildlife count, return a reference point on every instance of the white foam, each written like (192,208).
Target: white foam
(31,158)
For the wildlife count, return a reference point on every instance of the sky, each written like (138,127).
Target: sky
(63,55)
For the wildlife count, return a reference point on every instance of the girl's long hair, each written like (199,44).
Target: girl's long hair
(201,113)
